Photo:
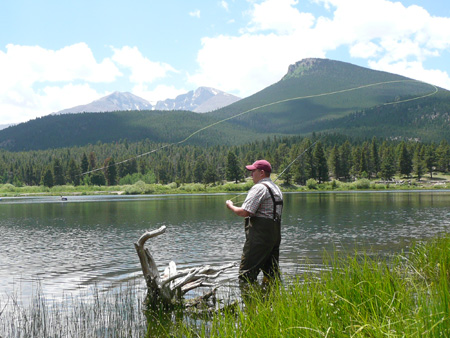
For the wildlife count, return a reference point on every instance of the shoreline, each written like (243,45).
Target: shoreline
(141,188)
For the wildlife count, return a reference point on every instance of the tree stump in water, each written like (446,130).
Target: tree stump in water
(168,289)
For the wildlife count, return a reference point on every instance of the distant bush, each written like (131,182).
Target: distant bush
(311,183)
(148,178)
(140,187)
(192,187)
(8,187)
(363,183)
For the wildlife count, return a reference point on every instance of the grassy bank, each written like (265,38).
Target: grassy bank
(140,187)
(358,296)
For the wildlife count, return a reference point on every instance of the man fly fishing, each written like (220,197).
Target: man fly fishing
(262,210)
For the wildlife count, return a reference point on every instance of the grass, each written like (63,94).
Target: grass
(140,187)
(356,296)
(116,313)
(359,296)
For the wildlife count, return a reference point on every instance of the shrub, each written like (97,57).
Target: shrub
(139,188)
(8,187)
(363,183)
(311,183)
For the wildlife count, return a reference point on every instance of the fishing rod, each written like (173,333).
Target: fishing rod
(272,104)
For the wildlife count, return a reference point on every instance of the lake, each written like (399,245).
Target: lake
(69,246)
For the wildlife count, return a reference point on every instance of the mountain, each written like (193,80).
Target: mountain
(315,95)
(202,100)
(321,95)
(315,90)
(116,101)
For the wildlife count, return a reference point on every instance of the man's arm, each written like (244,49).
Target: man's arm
(237,210)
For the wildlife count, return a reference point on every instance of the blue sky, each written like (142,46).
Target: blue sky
(59,54)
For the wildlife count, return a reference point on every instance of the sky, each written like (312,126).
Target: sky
(58,54)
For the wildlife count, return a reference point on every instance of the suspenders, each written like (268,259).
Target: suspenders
(275,203)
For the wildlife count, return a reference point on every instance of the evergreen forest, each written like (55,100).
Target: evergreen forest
(322,157)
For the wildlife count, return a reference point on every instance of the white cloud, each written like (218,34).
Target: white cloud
(279,16)
(30,64)
(67,96)
(387,34)
(142,69)
(195,14)
(224,5)
(35,80)
(414,70)
(20,106)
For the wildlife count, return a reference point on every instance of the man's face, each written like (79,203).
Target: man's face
(257,175)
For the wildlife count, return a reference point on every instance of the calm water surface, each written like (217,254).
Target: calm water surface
(69,246)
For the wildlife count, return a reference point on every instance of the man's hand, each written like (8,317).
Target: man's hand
(238,211)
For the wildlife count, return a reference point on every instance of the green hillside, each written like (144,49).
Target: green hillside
(68,130)
(315,95)
(426,120)
(315,90)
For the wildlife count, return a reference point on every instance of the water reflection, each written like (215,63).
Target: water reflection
(89,239)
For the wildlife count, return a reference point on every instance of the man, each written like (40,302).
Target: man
(262,210)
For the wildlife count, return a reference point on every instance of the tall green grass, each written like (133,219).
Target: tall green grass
(357,295)
(114,313)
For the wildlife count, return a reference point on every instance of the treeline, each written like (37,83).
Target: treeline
(321,157)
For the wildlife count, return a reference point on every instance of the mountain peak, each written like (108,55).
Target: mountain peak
(202,100)
(305,66)
(113,102)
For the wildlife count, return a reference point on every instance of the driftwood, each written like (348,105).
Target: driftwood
(168,289)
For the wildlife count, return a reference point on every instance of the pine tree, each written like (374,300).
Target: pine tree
(84,164)
(210,175)
(92,160)
(47,178)
(404,161)
(345,159)
(387,169)
(430,159)
(356,161)
(419,165)
(306,168)
(233,171)
(443,156)
(73,172)
(363,165)
(321,163)
(374,160)
(110,171)
(287,174)
(199,169)
(58,176)
(98,178)
(334,163)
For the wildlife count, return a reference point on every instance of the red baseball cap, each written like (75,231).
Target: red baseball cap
(261,165)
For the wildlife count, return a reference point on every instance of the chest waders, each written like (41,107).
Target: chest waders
(262,245)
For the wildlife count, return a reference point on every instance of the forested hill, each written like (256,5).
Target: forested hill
(315,91)
(69,130)
(315,95)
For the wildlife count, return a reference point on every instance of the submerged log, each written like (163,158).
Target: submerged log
(168,289)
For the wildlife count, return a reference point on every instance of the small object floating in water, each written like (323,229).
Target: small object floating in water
(63,198)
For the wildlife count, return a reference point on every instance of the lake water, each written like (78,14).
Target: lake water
(70,246)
